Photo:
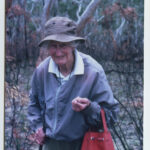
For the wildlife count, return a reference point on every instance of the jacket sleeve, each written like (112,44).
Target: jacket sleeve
(34,108)
(101,96)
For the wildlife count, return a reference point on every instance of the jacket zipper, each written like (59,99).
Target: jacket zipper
(56,109)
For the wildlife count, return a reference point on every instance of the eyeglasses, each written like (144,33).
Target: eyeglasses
(59,45)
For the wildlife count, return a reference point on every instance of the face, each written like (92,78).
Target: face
(61,53)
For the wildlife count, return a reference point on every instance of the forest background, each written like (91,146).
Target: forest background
(114,33)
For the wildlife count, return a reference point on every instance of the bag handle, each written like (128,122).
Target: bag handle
(104,120)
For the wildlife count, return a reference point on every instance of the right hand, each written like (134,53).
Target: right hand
(79,104)
(40,136)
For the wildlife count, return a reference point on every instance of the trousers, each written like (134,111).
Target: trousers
(51,144)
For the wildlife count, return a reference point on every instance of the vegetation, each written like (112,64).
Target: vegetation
(114,33)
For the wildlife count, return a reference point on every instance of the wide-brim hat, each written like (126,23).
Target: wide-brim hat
(60,29)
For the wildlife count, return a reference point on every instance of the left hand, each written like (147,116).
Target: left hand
(79,104)
(40,136)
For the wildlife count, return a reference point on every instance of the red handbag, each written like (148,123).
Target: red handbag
(98,140)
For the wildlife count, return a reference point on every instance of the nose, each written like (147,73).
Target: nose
(58,52)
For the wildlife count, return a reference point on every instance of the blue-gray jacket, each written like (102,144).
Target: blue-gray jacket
(48,96)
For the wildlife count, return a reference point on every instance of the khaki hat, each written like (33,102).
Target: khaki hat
(60,29)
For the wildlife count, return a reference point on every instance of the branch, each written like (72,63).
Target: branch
(120,29)
(79,10)
(87,14)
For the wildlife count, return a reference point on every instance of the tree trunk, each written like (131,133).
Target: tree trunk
(48,4)
(87,14)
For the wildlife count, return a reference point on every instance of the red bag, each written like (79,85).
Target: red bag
(98,140)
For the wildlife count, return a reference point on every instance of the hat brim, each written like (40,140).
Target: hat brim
(61,38)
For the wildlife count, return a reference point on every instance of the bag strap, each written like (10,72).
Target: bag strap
(104,120)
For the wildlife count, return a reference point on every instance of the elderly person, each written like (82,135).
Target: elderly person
(68,90)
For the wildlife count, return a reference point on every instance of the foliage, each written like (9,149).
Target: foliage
(16,129)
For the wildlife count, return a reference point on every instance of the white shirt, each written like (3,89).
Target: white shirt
(78,68)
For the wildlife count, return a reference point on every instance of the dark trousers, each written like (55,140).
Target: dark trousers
(51,144)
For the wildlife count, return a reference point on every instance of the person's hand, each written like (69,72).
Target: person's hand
(39,136)
(79,104)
